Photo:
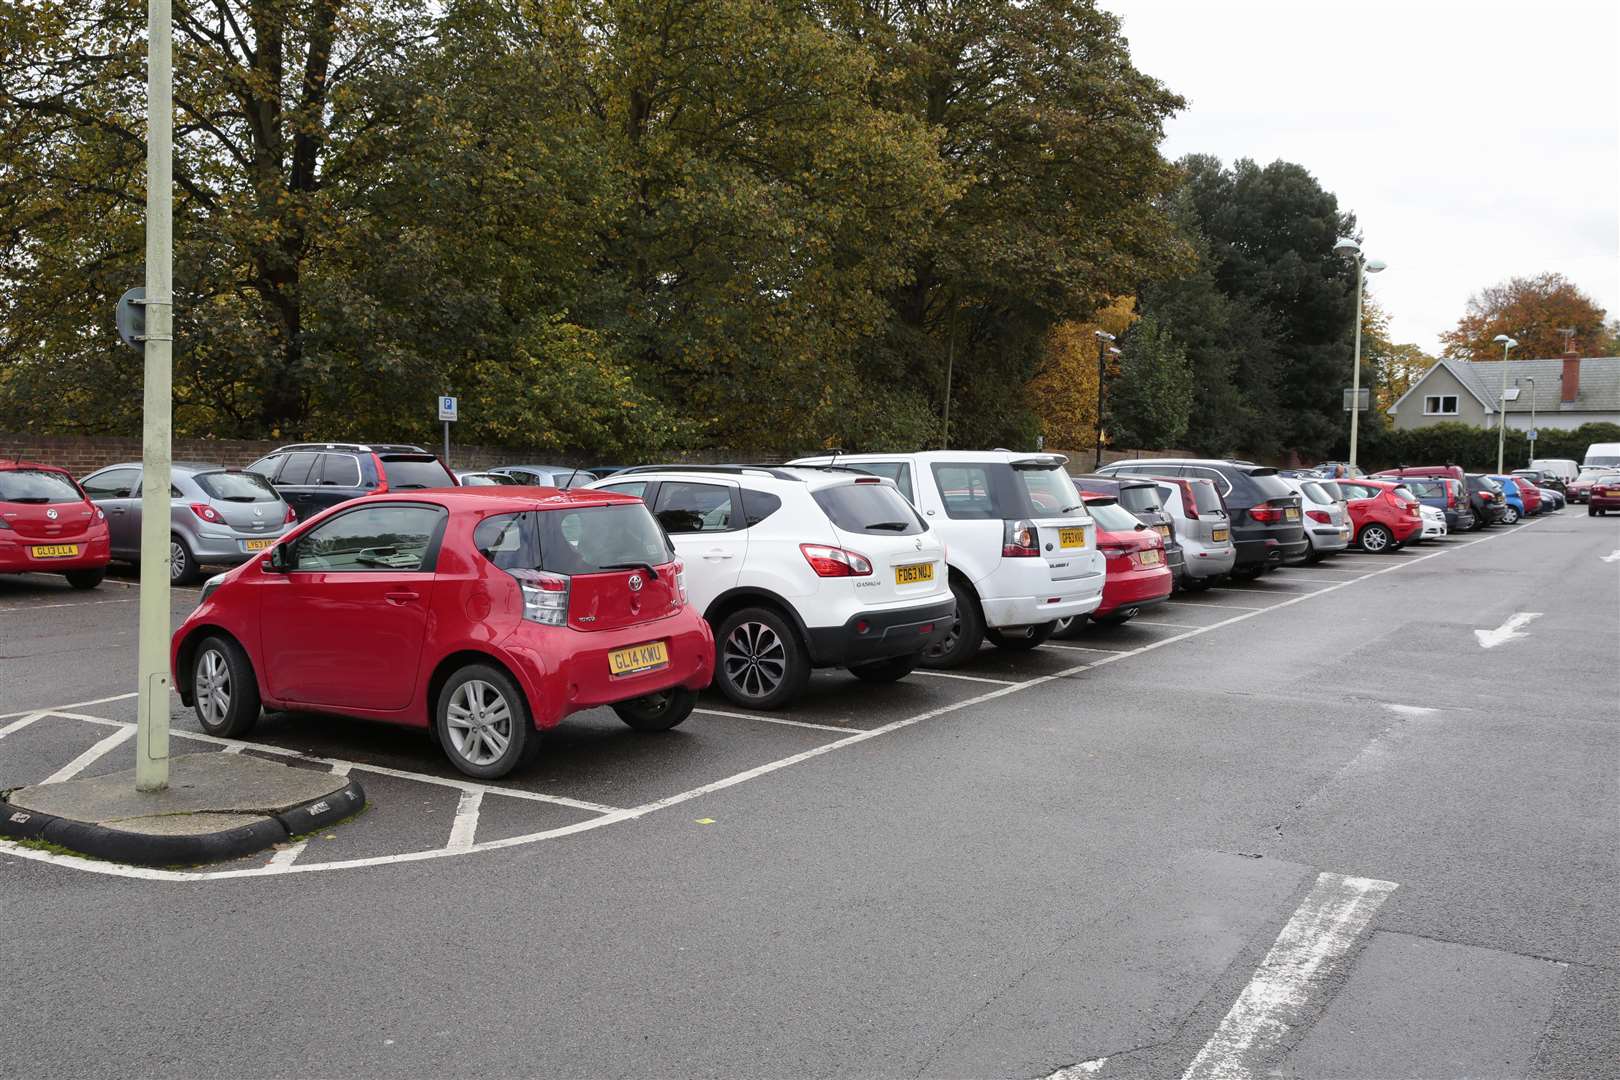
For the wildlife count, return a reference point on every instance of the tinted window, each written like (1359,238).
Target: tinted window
(898,471)
(586,540)
(1428,489)
(638,488)
(1332,488)
(1207,499)
(1268,485)
(266,467)
(339,469)
(297,468)
(685,507)
(1112,517)
(869,507)
(758,505)
(1053,494)
(1316,493)
(1222,484)
(416,471)
(37,486)
(1140,499)
(965,490)
(388,537)
(112,484)
(236,487)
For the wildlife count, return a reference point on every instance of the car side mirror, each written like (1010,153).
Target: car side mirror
(280,560)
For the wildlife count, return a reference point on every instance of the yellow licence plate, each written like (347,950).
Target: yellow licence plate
(912,573)
(1217,535)
(1164,530)
(1292,513)
(1072,538)
(258,545)
(1150,557)
(638,658)
(55,551)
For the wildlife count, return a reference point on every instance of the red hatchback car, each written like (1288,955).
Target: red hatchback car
(486,614)
(49,526)
(1604,496)
(1529,494)
(1137,575)
(1383,515)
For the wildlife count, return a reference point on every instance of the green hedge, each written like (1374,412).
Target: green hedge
(1474,448)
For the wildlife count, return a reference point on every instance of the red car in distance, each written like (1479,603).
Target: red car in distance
(1383,515)
(49,526)
(484,613)
(1529,494)
(1604,496)
(1137,575)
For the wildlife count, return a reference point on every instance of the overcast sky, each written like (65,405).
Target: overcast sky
(1474,141)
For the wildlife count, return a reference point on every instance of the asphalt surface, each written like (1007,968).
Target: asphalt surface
(1308,827)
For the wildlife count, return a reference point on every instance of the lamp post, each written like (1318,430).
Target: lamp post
(1501,403)
(1352,249)
(1103,338)
(1531,379)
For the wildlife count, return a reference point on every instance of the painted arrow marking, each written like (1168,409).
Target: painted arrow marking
(1508,631)
(1612,558)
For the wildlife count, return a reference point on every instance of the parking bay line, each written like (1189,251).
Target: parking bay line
(70,705)
(1230,607)
(776,720)
(82,603)
(18,725)
(632,813)
(1170,625)
(965,678)
(90,756)
(1280,995)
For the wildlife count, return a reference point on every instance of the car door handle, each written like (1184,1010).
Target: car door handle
(119,509)
(717,554)
(399,598)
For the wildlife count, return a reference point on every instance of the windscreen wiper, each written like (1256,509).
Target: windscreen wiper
(897,526)
(633,566)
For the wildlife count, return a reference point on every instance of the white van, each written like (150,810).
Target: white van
(1602,455)
(1561,468)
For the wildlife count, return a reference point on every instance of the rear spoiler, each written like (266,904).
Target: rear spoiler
(1045,461)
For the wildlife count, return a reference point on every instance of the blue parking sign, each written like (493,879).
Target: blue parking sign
(447,408)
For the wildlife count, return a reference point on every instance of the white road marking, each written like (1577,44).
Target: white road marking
(1228,607)
(1288,579)
(232,750)
(18,725)
(31,608)
(90,756)
(1077,1070)
(774,720)
(465,828)
(1508,631)
(967,678)
(288,855)
(1087,648)
(1612,558)
(613,817)
(73,705)
(1410,710)
(1279,996)
(1171,625)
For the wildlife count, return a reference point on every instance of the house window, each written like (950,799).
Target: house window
(1440,405)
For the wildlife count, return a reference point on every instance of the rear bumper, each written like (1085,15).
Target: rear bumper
(1271,550)
(1405,528)
(1328,539)
(1207,562)
(1135,589)
(1460,520)
(1025,592)
(1600,502)
(17,554)
(224,547)
(887,633)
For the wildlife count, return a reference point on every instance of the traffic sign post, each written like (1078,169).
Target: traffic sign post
(447,415)
(1363,399)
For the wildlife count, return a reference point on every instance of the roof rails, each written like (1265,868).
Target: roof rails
(768,470)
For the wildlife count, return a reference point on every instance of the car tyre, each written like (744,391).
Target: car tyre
(759,662)
(1511,517)
(1028,641)
(224,691)
(886,671)
(1591,511)
(182,563)
(1376,539)
(483,722)
(660,711)
(85,579)
(967,633)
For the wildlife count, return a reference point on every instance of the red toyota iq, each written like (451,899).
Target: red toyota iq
(1137,575)
(486,614)
(49,526)
(1383,515)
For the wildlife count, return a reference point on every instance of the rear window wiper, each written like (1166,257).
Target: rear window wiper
(632,566)
(897,526)
(33,500)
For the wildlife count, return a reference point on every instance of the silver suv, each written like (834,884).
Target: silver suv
(217,516)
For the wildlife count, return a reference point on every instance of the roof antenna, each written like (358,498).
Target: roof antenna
(1568,334)
(835,452)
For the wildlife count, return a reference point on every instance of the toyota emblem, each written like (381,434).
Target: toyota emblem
(51,513)
(635,582)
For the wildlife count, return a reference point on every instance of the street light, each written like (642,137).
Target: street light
(1103,338)
(1501,404)
(1531,379)
(1352,249)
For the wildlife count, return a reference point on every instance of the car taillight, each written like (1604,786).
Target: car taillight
(1113,551)
(1266,515)
(545,596)
(382,477)
(292,516)
(1019,540)
(207,513)
(1451,497)
(101,515)
(680,582)
(1319,515)
(829,561)
(1486,496)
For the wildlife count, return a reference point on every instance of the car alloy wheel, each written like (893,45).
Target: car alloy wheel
(479,722)
(212,688)
(1375,538)
(754,659)
(1512,515)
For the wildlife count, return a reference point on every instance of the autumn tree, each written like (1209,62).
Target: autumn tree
(1531,310)
(1063,394)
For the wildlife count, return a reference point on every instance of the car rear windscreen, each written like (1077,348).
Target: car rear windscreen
(1112,517)
(1316,492)
(1427,489)
(583,540)
(869,508)
(37,486)
(415,471)
(1053,494)
(243,487)
(1140,499)
(1332,488)
(1268,485)
(1206,498)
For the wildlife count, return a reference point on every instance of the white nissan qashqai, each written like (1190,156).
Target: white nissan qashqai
(1023,550)
(798,569)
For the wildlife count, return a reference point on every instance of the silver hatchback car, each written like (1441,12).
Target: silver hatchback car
(217,516)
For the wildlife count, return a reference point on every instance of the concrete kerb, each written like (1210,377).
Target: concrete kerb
(217,806)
